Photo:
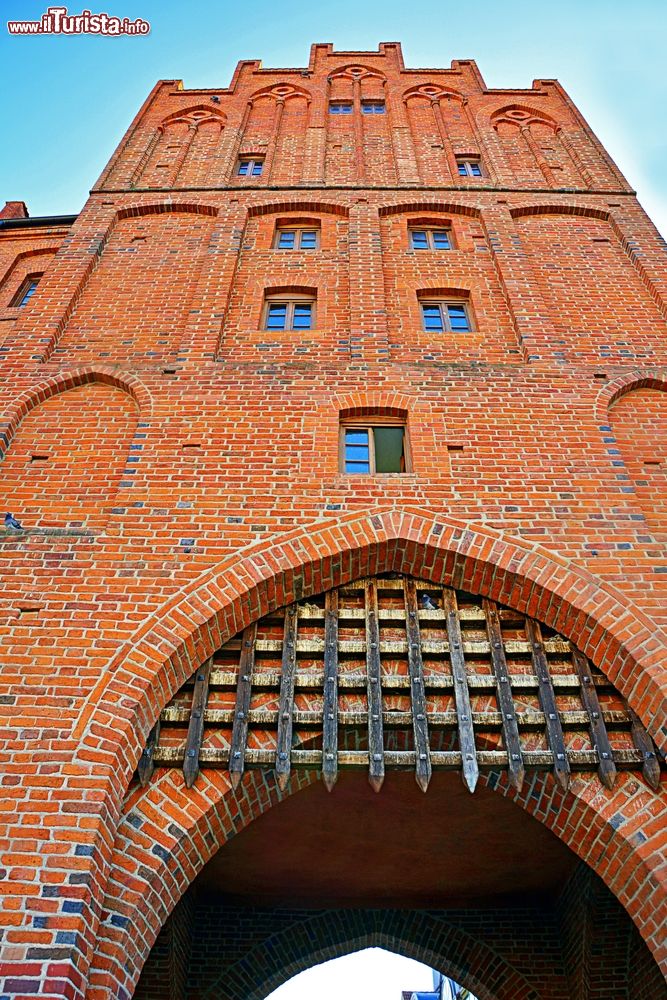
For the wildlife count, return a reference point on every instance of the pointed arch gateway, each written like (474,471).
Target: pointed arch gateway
(167,832)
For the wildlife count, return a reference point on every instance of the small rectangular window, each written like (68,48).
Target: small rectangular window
(26,291)
(250,167)
(440,317)
(373,449)
(340,108)
(469,166)
(372,107)
(296,239)
(430,239)
(289,314)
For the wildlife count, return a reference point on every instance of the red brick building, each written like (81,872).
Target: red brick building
(339,323)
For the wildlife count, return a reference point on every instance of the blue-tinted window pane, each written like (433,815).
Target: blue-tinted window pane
(419,239)
(463,169)
(372,107)
(441,239)
(29,292)
(458,318)
(475,170)
(256,169)
(309,239)
(340,108)
(357,454)
(302,317)
(276,317)
(432,318)
(286,240)
(243,167)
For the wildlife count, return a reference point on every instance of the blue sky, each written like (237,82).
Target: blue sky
(69,99)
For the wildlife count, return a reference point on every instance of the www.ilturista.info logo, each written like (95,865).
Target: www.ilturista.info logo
(56,21)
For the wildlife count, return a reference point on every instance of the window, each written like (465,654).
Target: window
(439,317)
(430,239)
(372,107)
(469,166)
(289,312)
(340,108)
(26,291)
(371,448)
(297,238)
(250,168)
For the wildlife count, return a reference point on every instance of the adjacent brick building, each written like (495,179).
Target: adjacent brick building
(262,272)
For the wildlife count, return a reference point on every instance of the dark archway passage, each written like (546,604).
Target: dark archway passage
(471,885)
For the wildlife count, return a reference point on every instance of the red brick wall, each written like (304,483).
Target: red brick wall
(138,569)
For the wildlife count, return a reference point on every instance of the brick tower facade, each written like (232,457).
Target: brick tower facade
(340,322)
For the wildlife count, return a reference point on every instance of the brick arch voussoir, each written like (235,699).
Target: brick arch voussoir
(551,208)
(167,206)
(54,385)
(298,205)
(422,205)
(333,934)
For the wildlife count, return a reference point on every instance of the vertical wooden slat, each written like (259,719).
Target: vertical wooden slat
(374,688)
(146,766)
(506,704)
(470,767)
(286,703)
(330,700)
(548,702)
(242,707)
(196,727)
(599,736)
(416,667)
(642,740)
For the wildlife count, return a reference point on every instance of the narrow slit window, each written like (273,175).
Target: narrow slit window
(441,317)
(376,448)
(26,291)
